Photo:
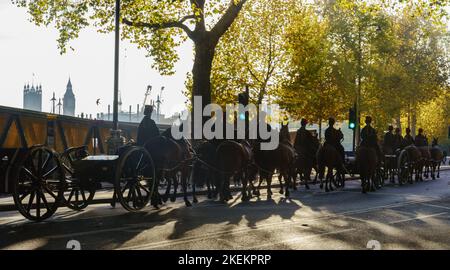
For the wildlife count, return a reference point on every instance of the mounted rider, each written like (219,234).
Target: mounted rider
(398,138)
(389,139)
(303,139)
(369,136)
(147,128)
(333,137)
(408,139)
(421,139)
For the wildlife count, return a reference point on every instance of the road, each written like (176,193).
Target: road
(413,216)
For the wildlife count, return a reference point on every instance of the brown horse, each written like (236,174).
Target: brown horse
(425,162)
(306,161)
(437,157)
(232,161)
(281,159)
(167,156)
(328,157)
(367,162)
(409,164)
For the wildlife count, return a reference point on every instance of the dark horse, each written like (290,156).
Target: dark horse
(437,157)
(329,157)
(306,161)
(168,157)
(367,161)
(281,159)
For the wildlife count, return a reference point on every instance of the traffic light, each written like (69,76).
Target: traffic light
(352,118)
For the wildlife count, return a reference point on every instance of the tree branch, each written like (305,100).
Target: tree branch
(164,25)
(227,19)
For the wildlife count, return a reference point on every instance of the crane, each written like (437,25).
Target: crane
(147,93)
(158,103)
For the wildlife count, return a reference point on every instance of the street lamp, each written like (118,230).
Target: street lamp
(116,140)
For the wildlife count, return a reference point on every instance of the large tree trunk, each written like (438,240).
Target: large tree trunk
(201,72)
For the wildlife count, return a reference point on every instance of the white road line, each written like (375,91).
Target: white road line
(437,206)
(418,217)
(297,239)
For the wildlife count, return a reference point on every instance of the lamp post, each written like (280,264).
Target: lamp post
(116,140)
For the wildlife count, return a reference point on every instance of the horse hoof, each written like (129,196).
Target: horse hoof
(307,187)
(188,204)
(196,201)
(321,186)
(281,191)
(173,199)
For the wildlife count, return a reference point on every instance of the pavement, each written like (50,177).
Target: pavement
(413,216)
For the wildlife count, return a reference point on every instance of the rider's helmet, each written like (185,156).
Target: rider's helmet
(368,120)
(390,128)
(420,130)
(408,130)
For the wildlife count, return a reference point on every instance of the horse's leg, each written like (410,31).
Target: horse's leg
(269,186)
(176,180)
(280,178)
(438,169)
(169,185)
(287,178)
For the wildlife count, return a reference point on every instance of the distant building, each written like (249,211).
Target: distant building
(69,100)
(32,97)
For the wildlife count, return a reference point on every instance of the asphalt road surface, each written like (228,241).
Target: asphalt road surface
(413,216)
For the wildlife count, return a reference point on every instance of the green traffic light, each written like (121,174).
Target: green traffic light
(352,125)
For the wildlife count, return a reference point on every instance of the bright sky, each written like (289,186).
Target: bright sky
(26,49)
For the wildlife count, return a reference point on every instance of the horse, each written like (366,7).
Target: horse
(329,157)
(367,162)
(281,159)
(425,162)
(409,157)
(232,161)
(203,167)
(183,170)
(306,161)
(437,157)
(167,156)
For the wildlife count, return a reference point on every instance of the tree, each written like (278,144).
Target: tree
(310,89)
(158,26)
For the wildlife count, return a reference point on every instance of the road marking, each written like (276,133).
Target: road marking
(272,226)
(438,206)
(297,239)
(416,218)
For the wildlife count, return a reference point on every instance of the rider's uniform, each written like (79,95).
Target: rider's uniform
(303,141)
(407,140)
(332,137)
(398,138)
(389,141)
(147,130)
(369,138)
(421,140)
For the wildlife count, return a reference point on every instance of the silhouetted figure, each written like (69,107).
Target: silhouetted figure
(389,139)
(334,137)
(147,128)
(369,136)
(421,140)
(303,139)
(398,138)
(408,139)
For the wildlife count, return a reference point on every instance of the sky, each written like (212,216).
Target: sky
(26,49)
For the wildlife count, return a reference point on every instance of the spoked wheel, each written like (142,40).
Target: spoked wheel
(135,178)
(38,186)
(77,195)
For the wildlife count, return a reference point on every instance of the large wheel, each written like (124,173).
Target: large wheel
(135,178)
(77,196)
(38,185)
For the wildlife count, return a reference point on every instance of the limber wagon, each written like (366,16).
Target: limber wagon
(40,180)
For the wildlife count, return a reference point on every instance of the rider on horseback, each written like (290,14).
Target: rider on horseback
(147,128)
(398,138)
(421,140)
(389,139)
(408,139)
(333,137)
(303,140)
(369,136)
